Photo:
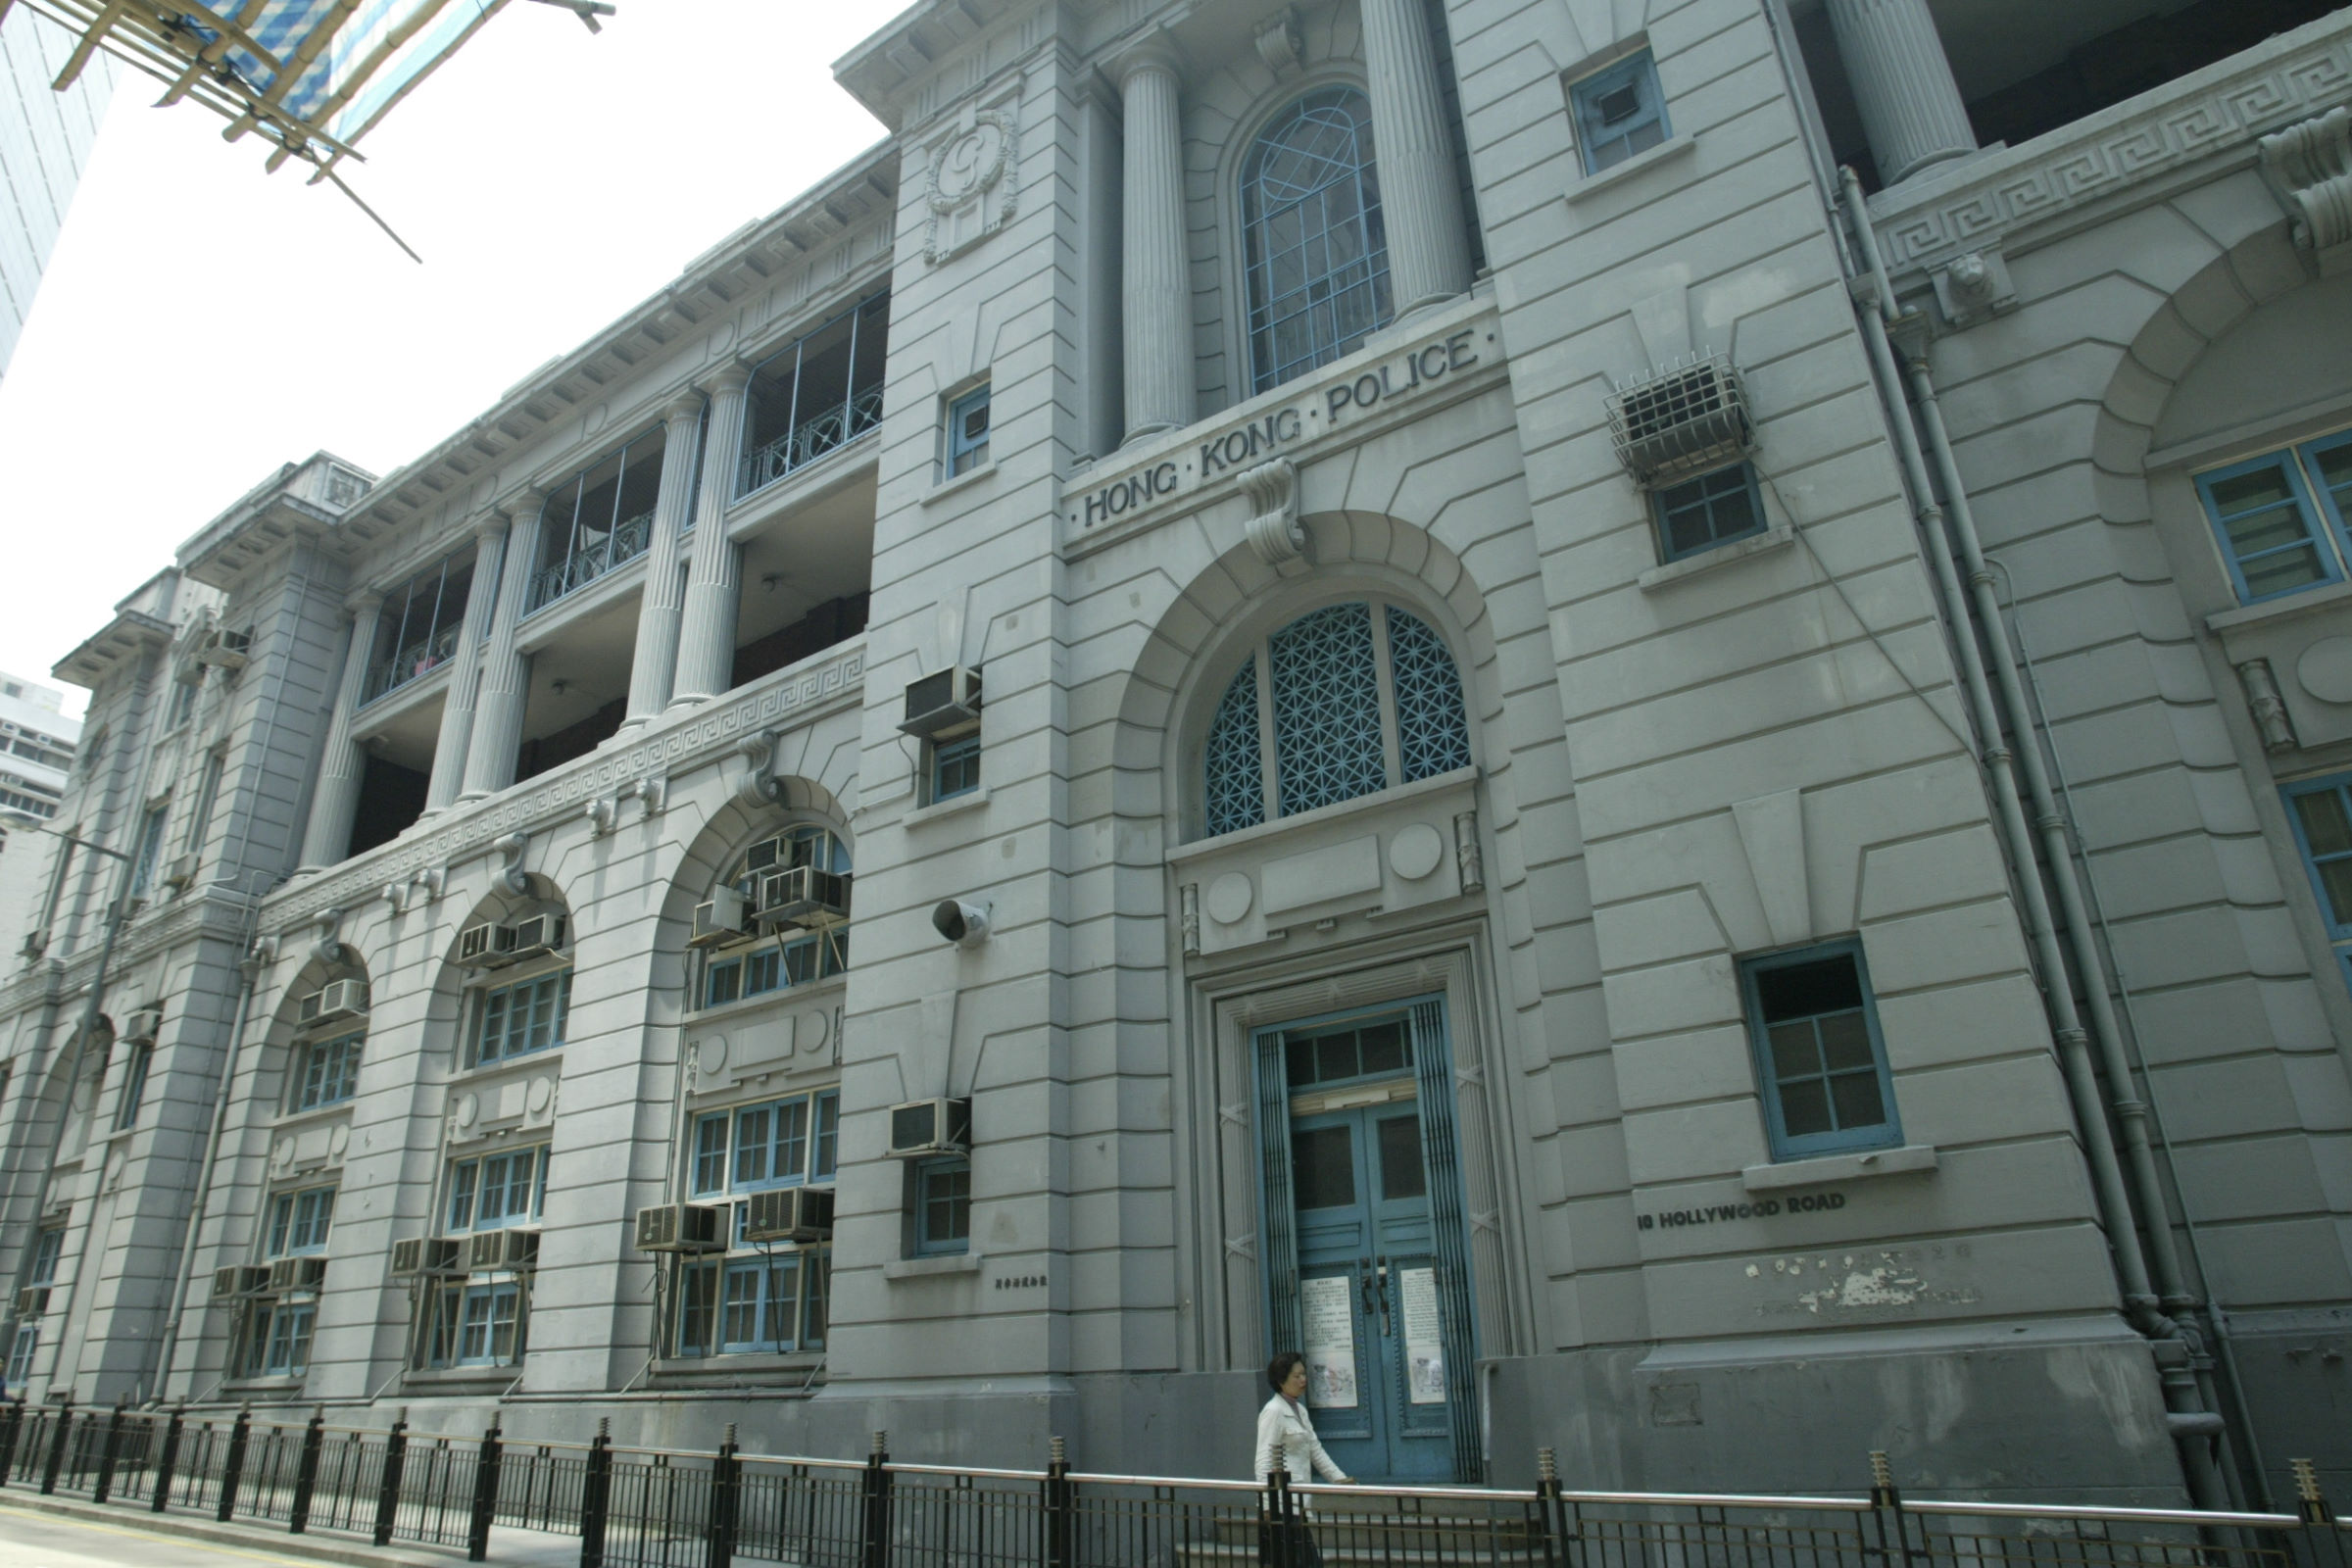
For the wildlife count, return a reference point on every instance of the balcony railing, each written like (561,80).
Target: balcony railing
(416,659)
(810,439)
(623,546)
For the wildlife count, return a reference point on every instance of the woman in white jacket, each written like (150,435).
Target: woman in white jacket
(1286,1440)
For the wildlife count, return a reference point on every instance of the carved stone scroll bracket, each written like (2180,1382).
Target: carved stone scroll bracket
(758,786)
(1278,44)
(328,949)
(509,848)
(603,813)
(1273,530)
(1191,892)
(2272,720)
(2308,167)
(1466,854)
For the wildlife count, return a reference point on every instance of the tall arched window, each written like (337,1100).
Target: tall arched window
(1317,254)
(1343,700)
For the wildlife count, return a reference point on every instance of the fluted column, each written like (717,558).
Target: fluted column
(1911,108)
(456,739)
(1154,290)
(342,765)
(1420,200)
(706,623)
(652,671)
(506,671)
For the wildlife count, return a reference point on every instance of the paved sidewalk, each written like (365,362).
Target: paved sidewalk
(508,1546)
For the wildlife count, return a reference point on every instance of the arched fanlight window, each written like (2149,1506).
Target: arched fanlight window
(1342,702)
(802,937)
(1312,238)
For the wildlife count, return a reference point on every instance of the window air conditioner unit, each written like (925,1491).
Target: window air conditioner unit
(243,1279)
(720,921)
(179,871)
(504,1248)
(930,1127)
(298,1274)
(32,1301)
(337,999)
(143,1023)
(942,704)
(768,854)
(681,1227)
(789,1214)
(483,947)
(1684,420)
(804,897)
(428,1254)
(226,650)
(534,938)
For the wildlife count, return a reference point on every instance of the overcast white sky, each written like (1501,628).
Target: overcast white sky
(201,323)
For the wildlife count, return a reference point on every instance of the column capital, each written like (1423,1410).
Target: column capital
(490,527)
(732,376)
(684,411)
(1153,52)
(524,502)
(366,602)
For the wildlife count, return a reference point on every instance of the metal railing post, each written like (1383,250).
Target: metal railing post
(165,1463)
(1550,1513)
(1886,1508)
(12,1426)
(1060,1506)
(2318,1520)
(306,1471)
(387,1486)
(1277,1546)
(232,1468)
(485,1497)
(595,1495)
(723,1484)
(109,1452)
(874,1544)
(56,1446)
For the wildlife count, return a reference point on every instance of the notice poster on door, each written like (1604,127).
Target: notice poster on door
(1424,1341)
(1329,1328)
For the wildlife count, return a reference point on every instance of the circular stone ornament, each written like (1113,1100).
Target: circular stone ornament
(1229,897)
(2326,669)
(1415,852)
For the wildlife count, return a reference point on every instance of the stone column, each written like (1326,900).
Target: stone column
(655,667)
(1420,199)
(342,767)
(505,671)
(706,623)
(465,673)
(1155,286)
(1911,109)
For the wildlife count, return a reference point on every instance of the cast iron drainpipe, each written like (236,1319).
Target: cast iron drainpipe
(2177,1346)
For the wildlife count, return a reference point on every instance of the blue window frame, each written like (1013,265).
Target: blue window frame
(1360,696)
(1711,510)
(492,1190)
(476,1323)
(764,1298)
(417,629)
(299,1222)
(514,1020)
(776,1143)
(2321,809)
(46,1255)
(967,431)
(20,1351)
(1820,1059)
(2279,518)
(135,1083)
(327,1071)
(1315,248)
(943,1206)
(954,767)
(815,395)
(150,846)
(596,521)
(1620,111)
(278,1341)
(776,1302)
(794,962)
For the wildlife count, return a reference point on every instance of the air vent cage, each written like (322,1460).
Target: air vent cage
(1684,419)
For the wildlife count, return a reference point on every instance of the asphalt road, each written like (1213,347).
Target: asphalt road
(45,1541)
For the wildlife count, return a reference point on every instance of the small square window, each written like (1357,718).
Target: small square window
(1619,112)
(2321,809)
(967,431)
(2279,517)
(943,1207)
(954,767)
(1711,510)
(1820,1060)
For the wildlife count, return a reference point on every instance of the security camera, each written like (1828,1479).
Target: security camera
(965,924)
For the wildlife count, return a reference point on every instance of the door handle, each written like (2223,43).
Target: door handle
(1380,1269)
(1369,1292)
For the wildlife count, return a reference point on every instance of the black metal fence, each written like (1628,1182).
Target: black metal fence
(655,1508)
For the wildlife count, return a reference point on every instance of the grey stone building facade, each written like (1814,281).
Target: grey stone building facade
(1379,677)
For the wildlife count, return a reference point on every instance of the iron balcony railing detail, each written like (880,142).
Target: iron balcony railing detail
(417,660)
(624,544)
(811,436)
(666,1508)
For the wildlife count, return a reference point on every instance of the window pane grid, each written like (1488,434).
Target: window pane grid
(1619,112)
(493,1190)
(1433,731)
(2321,812)
(1317,256)
(2267,522)
(525,1017)
(1819,1063)
(1326,693)
(330,1071)
(1710,510)
(1236,777)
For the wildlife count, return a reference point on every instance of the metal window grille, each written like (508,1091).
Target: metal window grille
(1234,768)
(1433,731)
(1314,243)
(1684,420)
(1324,677)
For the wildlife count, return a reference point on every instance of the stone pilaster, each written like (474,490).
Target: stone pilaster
(1420,199)
(450,747)
(652,672)
(706,661)
(1154,289)
(505,671)
(1902,83)
(342,765)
